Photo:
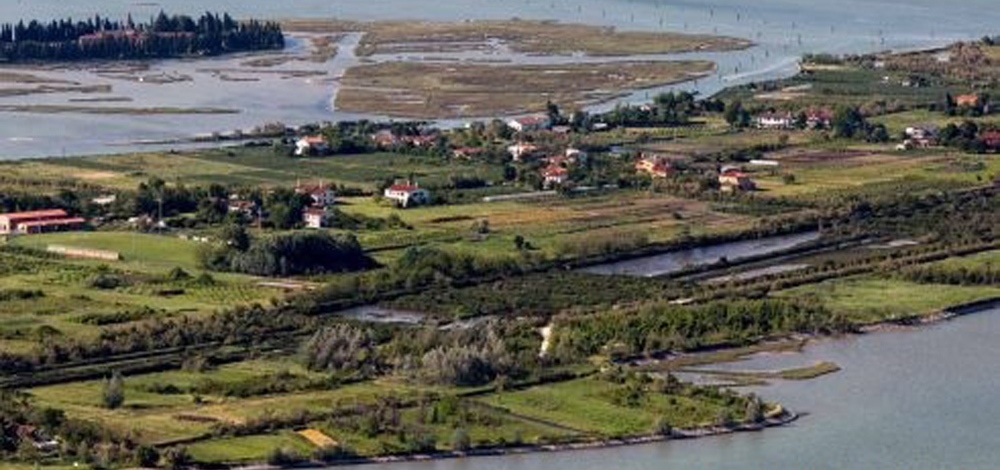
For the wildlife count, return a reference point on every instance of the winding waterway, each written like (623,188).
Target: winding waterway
(914,399)
(783,30)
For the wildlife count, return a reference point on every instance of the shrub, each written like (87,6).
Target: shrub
(114,391)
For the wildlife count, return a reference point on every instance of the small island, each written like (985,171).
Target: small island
(162,37)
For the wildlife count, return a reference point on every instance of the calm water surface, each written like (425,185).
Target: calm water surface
(675,261)
(783,30)
(922,399)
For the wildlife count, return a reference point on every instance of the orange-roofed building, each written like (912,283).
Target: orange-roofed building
(53,220)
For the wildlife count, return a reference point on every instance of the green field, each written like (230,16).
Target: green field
(587,405)
(241,166)
(153,416)
(871,298)
(71,306)
(249,448)
(138,250)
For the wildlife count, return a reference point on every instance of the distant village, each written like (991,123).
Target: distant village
(539,148)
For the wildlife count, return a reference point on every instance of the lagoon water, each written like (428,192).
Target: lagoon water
(920,399)
(783,30)
(675,261)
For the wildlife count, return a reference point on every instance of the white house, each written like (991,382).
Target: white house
(407,194)
(310,144)
(555,175)
(530,123)
(322,195)
(576,155)
(776,121)
(522,150)
(314,217)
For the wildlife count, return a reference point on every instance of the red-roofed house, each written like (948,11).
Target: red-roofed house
(407,194)
(732,180)
(54,220)
(819,118)
(309,145)
(969,101)
(555,175)
(991,139)
(322,194)
(655,166)
(315,217)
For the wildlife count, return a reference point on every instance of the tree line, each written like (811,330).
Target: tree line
(163,36)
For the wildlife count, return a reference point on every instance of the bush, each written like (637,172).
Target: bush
(114,392)
(460,441)
(334,453)
(105,281)
(283,457)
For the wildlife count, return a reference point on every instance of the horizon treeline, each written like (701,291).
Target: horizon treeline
(163,36)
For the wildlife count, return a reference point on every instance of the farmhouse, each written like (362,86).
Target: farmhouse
(241,206)
(656,166)
(407,194)
(530,123)
(819,118)
(733,180)
(322,194)
(315,217)
(522,150)
(919,137)
(310,145)
(967,101)
(54,220)
(775,120)
(555,175)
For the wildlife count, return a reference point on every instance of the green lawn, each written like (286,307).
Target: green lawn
(491,428)
(137,249)
(870,298)
(585,404)
(249,448)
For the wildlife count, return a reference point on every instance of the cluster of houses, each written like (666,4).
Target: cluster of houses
(556,170)
(42,221)
(919,137)
(731,179)
(322,197)
(812,118)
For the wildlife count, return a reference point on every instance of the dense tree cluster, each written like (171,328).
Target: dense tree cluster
(667,109)
(850,123)
(663,326)
(340,348)
(163,36)
(971,137)
(289,254)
